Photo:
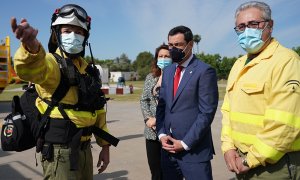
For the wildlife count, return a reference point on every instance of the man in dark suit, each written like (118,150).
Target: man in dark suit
(186,109)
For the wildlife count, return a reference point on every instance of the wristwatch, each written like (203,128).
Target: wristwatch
(244,162)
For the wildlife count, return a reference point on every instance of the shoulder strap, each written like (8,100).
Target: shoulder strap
(63,86)
(105,135)
(67,69)
(59,93)
(61,90)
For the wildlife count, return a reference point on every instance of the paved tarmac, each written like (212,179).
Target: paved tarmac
(127,161)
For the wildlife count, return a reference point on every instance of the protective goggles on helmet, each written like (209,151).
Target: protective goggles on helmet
(78,11)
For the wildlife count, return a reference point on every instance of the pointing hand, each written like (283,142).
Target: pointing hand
(26,34)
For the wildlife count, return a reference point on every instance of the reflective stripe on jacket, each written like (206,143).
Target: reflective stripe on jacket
(43,70)
(261,108)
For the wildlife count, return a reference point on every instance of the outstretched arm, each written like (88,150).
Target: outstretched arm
(26,34)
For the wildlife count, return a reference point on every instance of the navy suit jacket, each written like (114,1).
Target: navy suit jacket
(190,113)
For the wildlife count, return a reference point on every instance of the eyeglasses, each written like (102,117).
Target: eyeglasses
(178,44)
(79,12)
(251,24)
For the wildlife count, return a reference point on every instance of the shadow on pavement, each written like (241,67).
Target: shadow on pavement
(112,121)
(7,171)
(118,175)
(131,137)
(121,138)
(3,153)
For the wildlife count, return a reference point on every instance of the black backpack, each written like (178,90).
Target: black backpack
(20,126)
(23,127)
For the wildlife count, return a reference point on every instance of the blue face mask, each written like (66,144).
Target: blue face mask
(72,42)
(250,40)
(163,62)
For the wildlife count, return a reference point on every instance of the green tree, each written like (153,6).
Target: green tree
(89,59)
(225,67)
(297,50)
(142,64)
(222,65)
(214,60)
(197,39)
(105,63)
(124,63)
(124,59)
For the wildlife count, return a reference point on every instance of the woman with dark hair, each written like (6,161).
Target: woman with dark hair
(148,103)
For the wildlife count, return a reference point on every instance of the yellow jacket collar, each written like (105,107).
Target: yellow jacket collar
(263,55)
(79,62)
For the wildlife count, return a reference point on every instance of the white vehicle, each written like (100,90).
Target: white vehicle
(103,74)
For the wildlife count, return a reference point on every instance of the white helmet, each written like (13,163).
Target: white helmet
(70,19)
(71,14)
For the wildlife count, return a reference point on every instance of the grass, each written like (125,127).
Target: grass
(126,97)
(14,86)
(7,95)
(137,91)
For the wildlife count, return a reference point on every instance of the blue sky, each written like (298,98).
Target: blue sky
(134,26)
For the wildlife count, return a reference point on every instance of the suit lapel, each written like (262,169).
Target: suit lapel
(188,73)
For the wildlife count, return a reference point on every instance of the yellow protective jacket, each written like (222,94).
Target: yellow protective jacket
(261,108)
(43,70)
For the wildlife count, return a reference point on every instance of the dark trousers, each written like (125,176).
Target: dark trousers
(153,148)
(176,169)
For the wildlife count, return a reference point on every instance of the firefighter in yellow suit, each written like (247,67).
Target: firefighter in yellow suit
(261,109)
(70,30)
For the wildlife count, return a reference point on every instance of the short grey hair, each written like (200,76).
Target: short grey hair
(265,8)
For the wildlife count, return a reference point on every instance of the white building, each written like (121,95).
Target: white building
(129,76)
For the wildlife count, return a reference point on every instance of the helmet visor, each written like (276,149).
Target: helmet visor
(71,20)
(72,14)
(79,12)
